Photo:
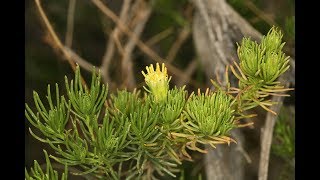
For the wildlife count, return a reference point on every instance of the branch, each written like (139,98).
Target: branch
(158,37)
(126,63)
(79,60)
(70,23)
(188,72)
(154,56)
(107,57)
(262,15)
(56,40)
(183,35)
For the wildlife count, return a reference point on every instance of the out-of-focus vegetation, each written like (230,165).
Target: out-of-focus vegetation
(283,145)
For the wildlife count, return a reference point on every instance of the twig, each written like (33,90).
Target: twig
(154,56)
(117,42)
(134,16)
(127,67)
(183,35)
(56,40)
(107,57)
(266,138)
(244,153)
(262,15)
(70,23)
(82,62)
(188,72)
(158,37)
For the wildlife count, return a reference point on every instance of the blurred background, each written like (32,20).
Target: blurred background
(195,38)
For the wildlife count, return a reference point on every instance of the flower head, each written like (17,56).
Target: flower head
(157,81)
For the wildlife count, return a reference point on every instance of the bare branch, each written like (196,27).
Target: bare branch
(154,56)
(107,57)
(262,15)
(127,67)
(183,35)
(56,40)
(70,23)
(76,58)
(188,72)
(158,37)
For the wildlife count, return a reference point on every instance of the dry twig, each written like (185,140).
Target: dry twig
(70,23)
(56,40)
(158,37)
(154,56)
(109,52)
(260,14)
(188,72)
(183,35)
(126,63)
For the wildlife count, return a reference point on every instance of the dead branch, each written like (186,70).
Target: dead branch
(79,60)
(127,66)
(154,56)
(262,15)
(70,23)
(158,37)
(109,52)
(183,35)
(188,72)
(56,40)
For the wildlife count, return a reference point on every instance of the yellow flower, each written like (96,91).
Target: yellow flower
(157,81)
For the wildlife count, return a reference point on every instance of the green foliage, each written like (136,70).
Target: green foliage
(264,62)
(260,67)
(86,102)
(143,137)
(290,27)
(173,105)
(50,174)
(55,118)
(284,137)
(283,144)
(169,9)
(207,120)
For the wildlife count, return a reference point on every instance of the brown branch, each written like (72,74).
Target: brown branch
(154,56)
(188,72)
(70,23)
(262,15)
(126,63)
(109,52)
(116,40)
(79,60)
(183,35)
(134,16)
(56,40)
(158,37)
